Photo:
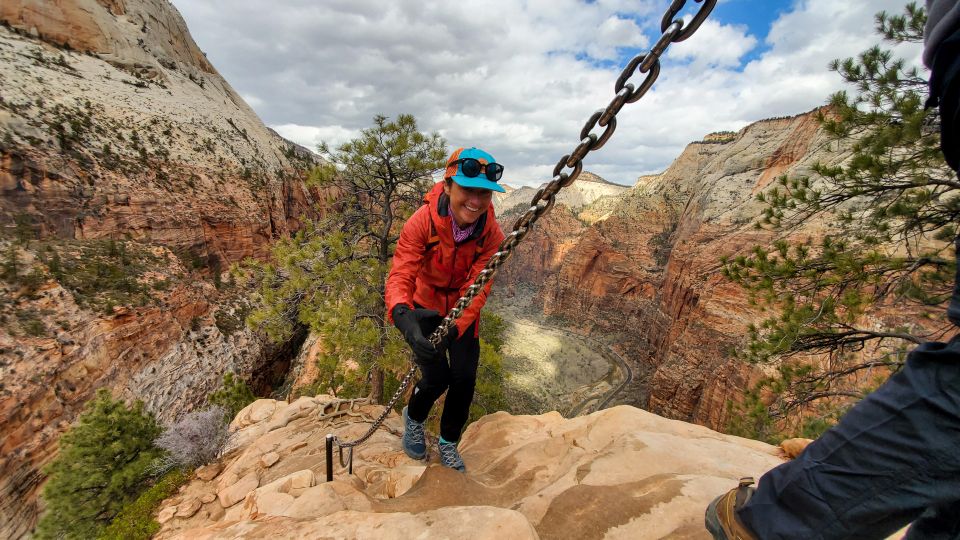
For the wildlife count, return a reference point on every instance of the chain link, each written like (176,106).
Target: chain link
(698,18)
(674,31)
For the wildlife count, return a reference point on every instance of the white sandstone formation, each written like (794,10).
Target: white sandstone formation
(618,473)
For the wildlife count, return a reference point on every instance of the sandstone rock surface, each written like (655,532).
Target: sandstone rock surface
(618,473)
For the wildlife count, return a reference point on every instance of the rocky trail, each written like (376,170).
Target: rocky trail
(618,473)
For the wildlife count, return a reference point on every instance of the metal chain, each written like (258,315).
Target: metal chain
(674,31)
(404,383)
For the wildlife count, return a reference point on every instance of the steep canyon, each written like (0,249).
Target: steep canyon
(125,157)
(644,272)
(127,160)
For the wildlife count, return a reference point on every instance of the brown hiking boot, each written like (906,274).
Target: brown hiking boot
(721,517)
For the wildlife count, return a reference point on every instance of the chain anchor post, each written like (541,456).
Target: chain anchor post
(329,457)
(349,461)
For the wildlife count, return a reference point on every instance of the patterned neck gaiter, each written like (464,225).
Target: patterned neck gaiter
(459,235)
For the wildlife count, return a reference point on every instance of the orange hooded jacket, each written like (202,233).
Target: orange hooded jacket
(430,270)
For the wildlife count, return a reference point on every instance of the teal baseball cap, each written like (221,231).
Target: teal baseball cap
(484,176)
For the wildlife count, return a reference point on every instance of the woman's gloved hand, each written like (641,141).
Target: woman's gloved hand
(407,320)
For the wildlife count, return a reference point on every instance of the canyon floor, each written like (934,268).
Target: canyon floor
(552,368)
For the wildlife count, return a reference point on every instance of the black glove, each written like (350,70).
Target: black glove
(408,322)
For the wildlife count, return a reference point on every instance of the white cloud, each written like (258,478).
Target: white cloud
(716,45)
(520,78)
(615,32)
(252,100)
(311,136)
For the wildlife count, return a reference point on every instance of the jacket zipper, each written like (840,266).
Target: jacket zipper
(453,268)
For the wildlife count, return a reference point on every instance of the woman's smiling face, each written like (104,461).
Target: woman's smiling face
(467,204)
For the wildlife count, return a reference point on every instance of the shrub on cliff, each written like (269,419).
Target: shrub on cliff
(194,440)
(136,521)
(233,395)
(10,269)
(890,213)
(489,396)
(102,274)
(103,464)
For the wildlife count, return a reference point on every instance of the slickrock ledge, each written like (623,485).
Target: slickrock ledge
(618,473)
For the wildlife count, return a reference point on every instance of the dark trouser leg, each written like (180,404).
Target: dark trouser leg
(893,457)
(434,380)
(459,374)
(464,358)
(938,523)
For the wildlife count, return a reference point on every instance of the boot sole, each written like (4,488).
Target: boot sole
(712,521)
(411,455)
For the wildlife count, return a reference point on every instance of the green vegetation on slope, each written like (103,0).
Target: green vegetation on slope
(891,212)
(104,461)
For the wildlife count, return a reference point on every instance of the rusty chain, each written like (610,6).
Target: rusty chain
(674,31)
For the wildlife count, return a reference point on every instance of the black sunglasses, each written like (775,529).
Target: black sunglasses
(471,168)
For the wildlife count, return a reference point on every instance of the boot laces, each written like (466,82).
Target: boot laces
(414,431)
(449,455)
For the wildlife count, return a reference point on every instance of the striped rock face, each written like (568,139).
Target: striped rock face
(114,125)
(618,473)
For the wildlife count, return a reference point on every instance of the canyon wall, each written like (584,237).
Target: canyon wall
(124,154)
(645,273)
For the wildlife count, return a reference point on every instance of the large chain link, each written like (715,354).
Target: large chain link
(674,30)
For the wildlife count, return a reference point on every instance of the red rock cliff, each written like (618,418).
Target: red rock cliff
(114,125)
(647,275)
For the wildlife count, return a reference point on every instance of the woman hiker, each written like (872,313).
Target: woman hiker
(442,248)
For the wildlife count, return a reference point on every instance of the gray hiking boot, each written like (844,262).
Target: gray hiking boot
(414,443)
(449,456)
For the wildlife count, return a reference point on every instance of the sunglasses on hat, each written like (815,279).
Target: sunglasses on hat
(471,168)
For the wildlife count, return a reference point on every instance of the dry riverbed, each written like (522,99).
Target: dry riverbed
(551,369)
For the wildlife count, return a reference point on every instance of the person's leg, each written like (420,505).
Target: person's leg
(893,456)
(464,358)
(937,523)
(434,379)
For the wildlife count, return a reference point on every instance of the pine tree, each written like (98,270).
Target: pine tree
(103,465)
(233,395)
(10,270)
(330,276)
(890,212)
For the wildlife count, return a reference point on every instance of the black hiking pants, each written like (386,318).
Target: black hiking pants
(891,460)
(456,374)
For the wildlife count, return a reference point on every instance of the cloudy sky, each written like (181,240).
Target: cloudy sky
(518,78)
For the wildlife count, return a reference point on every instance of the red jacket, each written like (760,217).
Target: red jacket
(430,270)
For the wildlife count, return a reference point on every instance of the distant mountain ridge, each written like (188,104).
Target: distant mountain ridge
(589,195)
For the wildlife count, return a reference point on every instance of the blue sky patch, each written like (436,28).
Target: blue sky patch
(757,15)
